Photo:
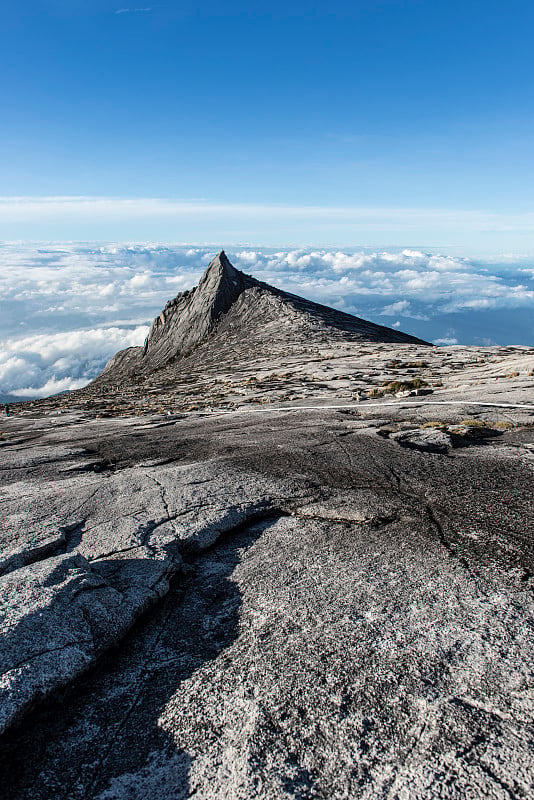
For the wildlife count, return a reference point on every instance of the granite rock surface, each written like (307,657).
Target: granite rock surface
(273,567)
(294,606)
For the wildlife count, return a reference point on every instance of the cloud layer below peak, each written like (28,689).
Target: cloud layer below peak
(66,308)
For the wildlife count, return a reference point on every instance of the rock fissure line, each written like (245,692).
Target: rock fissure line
(139,688)
(24,558)
(63,543)
(88,589)
(468,752)
(104,556)
(444,541)
(189,562)
(86,500)
(48,650)
(89,624)
(346,451)
(163,493)
(125,515)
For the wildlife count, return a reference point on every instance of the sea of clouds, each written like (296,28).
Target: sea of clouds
(65,309)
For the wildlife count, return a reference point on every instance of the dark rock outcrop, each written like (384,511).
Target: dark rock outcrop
(431,440)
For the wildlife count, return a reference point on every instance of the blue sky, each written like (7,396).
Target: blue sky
(407,123)
(374,156)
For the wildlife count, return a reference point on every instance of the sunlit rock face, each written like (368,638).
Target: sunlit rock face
(191,316)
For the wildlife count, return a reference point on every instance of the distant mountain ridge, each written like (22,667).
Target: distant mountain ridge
(228,304)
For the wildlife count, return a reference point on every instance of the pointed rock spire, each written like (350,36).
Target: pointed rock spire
(186,320)
(223,283)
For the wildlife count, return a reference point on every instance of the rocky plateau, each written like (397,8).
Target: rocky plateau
(277,552)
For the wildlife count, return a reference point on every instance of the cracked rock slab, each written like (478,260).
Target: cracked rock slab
(427,439)
(56,617)
(97,552)
(328,614)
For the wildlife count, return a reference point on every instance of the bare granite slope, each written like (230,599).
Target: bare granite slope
(329,604)
(309,575)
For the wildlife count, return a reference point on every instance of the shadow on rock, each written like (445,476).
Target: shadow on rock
(101,737)
(474,436)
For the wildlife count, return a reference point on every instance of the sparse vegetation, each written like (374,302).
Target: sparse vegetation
(396,364)
(473,423)
(392,387)
(433,423)
(277,376)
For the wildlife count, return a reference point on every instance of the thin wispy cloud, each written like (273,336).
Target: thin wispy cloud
(207,220)
(22,208)
(133,10)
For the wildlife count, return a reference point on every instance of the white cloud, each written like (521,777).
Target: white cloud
(400,307)
(132,10)
(52,386)
(139,281)
(445,341)
(41,364)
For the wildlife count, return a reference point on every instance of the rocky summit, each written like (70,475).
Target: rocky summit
(255,317)
(277,552)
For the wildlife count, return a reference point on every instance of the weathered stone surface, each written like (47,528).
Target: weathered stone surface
(286,594)
(57,616)
(128,530)
(340,616)
(430,439)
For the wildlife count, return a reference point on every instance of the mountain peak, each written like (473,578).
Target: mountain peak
(220,263)
(222,258)
(189,318)
(221,272)
(243,309)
